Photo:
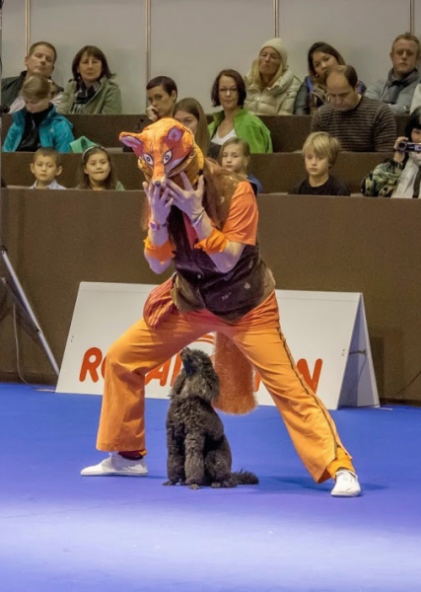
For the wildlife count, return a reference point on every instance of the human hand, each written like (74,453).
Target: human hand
(159,200)
(399,156)
(152,113)
(188,200)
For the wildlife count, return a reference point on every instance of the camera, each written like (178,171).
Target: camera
(405,146)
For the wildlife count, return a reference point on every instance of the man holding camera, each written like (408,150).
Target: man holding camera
(399,176)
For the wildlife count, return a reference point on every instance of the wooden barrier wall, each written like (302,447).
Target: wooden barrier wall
(288,133)
(57,239)
(278,173)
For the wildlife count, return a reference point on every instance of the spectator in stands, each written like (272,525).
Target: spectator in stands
(162,96)
(312,94)
(401,175)
(271,84)
(189,112)
(360,124)
(38,124)
(40,60)
(234,121)
(235,157)
(96,171)
(398,90)
(91,90)
(320,152)
(46,167)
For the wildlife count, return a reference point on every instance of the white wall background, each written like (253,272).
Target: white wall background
(191,40)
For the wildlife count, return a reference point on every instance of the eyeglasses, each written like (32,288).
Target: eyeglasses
(225,91)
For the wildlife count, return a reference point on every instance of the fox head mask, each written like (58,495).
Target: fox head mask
(165,149)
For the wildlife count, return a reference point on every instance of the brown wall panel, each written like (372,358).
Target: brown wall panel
(57,239)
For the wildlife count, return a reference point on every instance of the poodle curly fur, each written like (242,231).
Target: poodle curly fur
(198,450)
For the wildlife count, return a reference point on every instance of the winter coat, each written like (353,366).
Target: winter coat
(278,99)
(106,101)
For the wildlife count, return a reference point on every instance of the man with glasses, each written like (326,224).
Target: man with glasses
(360,124)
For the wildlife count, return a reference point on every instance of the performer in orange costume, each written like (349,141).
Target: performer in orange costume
(203,219)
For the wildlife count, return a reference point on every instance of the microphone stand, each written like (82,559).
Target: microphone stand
(12,284)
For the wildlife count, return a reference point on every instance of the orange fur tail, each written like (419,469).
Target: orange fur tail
(236,378)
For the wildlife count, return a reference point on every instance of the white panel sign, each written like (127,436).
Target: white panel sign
(320,328)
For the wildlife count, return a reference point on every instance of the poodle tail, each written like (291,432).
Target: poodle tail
(245,478)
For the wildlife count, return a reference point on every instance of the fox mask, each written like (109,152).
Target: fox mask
(165,149)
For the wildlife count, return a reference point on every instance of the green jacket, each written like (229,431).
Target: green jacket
(107,100)
(247,127)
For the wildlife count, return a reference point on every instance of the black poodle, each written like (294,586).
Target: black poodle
(198,450)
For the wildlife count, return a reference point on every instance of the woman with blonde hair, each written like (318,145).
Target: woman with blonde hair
(271,84)
(189,112)
(38,125)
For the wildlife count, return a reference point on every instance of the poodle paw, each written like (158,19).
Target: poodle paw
(216,485)
(169,482)
(194,486)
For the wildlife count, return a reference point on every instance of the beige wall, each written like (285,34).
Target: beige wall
(191,40)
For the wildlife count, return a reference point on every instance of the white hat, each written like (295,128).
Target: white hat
(277,45)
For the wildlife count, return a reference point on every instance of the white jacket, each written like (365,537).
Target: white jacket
(278,99)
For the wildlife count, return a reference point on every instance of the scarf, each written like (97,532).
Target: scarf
(395,85)
(83,94)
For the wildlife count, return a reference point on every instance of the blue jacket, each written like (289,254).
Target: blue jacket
(55,131)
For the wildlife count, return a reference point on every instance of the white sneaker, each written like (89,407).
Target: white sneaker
(346,484)
(117,465)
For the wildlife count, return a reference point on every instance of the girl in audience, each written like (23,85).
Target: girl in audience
(162,96)
(189,112)
(235,157)
(320,152)
(96,171)
(91,91)
(271,84)
(38,125)
(399,176)
(234,121)
(312,93)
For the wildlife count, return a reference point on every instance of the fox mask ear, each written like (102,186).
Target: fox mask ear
(133,141)
(175,134)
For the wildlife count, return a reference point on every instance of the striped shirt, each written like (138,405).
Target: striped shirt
(369,127)
(52,185)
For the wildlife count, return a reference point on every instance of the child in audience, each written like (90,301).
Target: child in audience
(320,152)
(235,156)
(96,171)
(399,176)
(46,167)
(38,125)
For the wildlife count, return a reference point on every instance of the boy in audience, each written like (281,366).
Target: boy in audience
(46,167)
(320,152)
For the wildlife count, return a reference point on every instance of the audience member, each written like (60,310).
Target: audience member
(235,157)
(96,171)
(320,152)
(189,112)
(361,124)
(401,175)
(312,94)
(40,60)
(38,125)
(271,85)
(46,167)
(91,90)
(162,96)
(234,121)
(398,90)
